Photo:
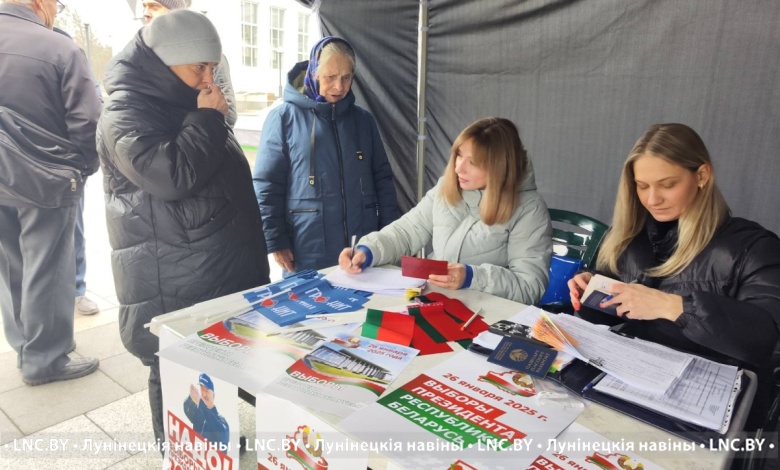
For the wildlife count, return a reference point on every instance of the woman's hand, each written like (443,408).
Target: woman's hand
(577,286)
(213,98)
(456,274)
(284,258)
(352,263)
(638,302)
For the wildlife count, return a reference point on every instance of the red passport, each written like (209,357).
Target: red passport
(421,268)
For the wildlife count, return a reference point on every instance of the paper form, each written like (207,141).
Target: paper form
(637,362)
(378,280)
(704,396)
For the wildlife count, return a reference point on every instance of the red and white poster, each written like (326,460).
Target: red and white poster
(201,419)
(464,408)
(291,438)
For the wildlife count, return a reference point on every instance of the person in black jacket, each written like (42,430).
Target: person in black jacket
(694,278)
(183,222)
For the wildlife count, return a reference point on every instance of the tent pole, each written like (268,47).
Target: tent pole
(422,60)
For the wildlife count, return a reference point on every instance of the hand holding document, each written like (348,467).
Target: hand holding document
(597,292)
(422,268)
(639,363)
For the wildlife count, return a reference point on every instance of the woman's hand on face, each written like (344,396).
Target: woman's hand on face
(284,258)
(456,274)
(213,98)
(349,263)
(638,302)
(577,286)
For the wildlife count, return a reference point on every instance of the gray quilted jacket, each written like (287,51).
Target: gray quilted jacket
(510,260)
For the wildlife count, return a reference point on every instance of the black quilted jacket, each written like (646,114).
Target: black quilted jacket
(182,217)
(731,301)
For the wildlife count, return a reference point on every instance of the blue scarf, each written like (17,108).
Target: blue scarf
(311,86)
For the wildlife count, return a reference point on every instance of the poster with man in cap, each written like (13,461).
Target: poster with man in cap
(201,411)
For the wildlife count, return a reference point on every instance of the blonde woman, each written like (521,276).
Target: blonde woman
(695,278)
(484,217)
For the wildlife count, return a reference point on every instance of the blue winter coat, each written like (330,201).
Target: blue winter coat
(314,201)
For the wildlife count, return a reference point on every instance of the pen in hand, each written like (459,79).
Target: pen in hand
(352,251)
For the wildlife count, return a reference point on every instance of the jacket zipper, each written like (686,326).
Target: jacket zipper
(341,176)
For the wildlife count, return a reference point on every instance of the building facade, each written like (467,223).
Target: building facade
(262,40)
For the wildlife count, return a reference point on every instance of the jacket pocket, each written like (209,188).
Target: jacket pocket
(370,205)
(215,223)
(307,230)
(32,181)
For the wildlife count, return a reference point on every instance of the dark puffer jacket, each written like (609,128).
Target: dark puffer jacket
(182,218)
(731,299)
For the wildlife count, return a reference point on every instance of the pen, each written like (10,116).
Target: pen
(352,251)
(468,322)
(593,382)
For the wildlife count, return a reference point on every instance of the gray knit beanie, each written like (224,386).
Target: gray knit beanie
(172,4)
(183,37)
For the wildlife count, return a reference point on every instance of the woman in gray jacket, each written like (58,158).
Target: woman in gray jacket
(484,217)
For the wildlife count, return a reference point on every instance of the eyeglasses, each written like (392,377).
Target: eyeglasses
(60,6)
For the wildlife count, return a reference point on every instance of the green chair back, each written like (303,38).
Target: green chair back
(576,236)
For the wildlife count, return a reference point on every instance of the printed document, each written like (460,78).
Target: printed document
(640,363)
(704,396)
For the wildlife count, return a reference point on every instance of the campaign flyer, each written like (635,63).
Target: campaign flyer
(234,350)
(342,375)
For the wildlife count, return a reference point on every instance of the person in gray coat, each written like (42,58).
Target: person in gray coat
(484,217)
(46,80)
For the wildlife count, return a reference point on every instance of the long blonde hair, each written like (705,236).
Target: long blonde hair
(497,150)
(680,145)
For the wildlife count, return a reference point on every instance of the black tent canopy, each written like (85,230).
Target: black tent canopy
(582,79)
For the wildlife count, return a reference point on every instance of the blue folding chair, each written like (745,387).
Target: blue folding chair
(576,241)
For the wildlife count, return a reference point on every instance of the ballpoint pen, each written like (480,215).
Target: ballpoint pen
(352,249)
(593,382)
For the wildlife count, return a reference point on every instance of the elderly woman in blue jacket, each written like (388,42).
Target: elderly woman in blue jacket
(321,174)
(484,217)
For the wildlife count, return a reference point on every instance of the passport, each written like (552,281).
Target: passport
(522,356)
(421,268)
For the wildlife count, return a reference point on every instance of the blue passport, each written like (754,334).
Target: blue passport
(522,356)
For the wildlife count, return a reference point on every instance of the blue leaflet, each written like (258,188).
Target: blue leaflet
(313,297)
(287,283)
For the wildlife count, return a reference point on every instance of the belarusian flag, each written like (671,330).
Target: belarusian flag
(392,327)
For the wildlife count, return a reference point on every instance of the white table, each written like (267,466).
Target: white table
(611,424)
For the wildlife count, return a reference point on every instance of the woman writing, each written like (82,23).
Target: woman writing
(704,281)
(484,217)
